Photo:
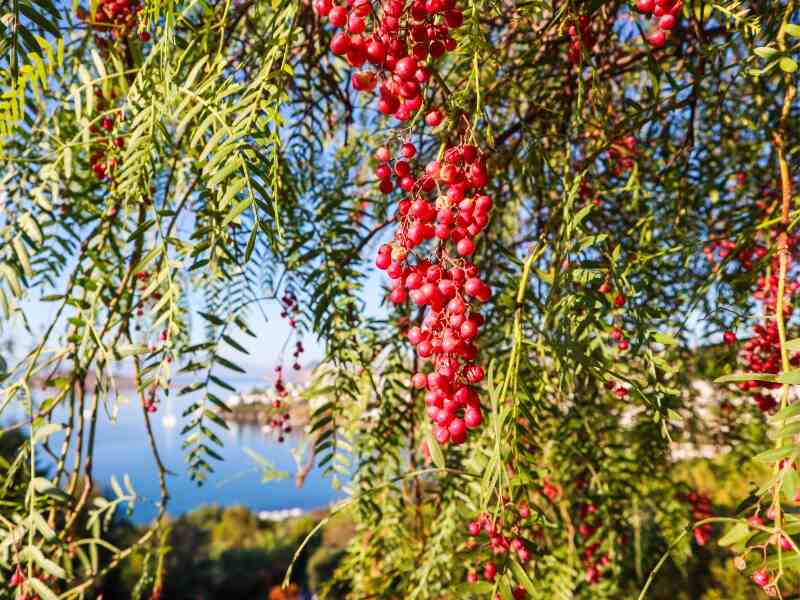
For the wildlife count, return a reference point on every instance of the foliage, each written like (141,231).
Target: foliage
(170,167)
(220,553)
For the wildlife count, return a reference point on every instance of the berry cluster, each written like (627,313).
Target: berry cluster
(622,154)
(590,531)
(18,580)
(143,279)
(403,38)
(117,18)
(721,249)
(289,308)
(106,142)
(619,336)
(151,400)
(581,37)
(505,541)
(761,577)
(448,286)
(666,11)
(445,202)
(761,353)
(701,509)
(279,422)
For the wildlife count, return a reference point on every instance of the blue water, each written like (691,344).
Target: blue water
(121,448)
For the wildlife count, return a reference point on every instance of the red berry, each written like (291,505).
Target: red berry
(761,577)
(657,39)
(434,118)
(408,150)
(645,6)
(619,300)
(323,7)
(376,52)
(472,417)
(398,295)
(338,16)
(442,435)
(729,337)
(465,247)
(458,431)
(667,22)
(355,24)
(406,67)
(382,154)
(340,43)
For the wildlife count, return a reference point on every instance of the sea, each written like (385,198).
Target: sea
(122,455)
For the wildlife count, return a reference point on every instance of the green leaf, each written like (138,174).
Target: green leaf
(22,255)
(213,319)
(666,339)
(237,210)
(41,525)
(788,65)
(735,534)
(433,447)
(226,363)
(786,413)
(43,432)
(44,592)
(765,52)
(790,377)
(774,455)
(739,377)
(791,483)
(467,590)
(523,578)
(792,30)
(787,431)
(231,342)
(47,565)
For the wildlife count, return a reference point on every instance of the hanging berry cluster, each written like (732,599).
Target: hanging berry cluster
(289,309)
(720,249)
(448,285)
(444,204)
(506,542)
(402,39)
(761,353)
(106,143)
(581,37)
(666,14)
(701,509)
(143,279)
(280,420)
(114,19)
(623,154)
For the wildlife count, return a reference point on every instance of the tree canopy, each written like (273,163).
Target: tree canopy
(584,218)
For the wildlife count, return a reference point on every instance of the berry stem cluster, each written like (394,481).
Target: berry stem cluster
(444,206)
